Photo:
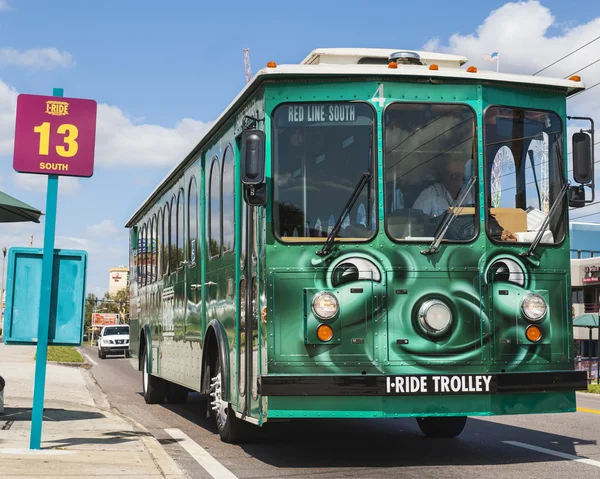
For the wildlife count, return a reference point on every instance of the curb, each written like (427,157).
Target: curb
(163,462)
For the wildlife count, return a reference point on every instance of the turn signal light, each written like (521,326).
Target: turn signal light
(271,65)
(472,69)
(533,333)
(324,333)
(392,65)
(575,78)
(433,66)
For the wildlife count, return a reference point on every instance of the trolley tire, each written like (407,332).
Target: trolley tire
(176,394)
(450,426)
(153,387)
(234,430)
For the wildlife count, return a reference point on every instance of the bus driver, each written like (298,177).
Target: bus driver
(437,198)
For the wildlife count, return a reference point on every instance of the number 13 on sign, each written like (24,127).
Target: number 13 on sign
(71,133)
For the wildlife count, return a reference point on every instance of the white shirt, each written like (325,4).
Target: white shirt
(435,200)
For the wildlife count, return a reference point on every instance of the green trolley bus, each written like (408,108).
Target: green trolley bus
(371,233)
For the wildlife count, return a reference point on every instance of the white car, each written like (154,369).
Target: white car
(113,339)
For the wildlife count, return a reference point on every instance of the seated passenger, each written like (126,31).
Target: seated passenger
(437,198)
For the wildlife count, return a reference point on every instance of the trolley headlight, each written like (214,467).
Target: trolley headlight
(325,305)
(435,316)
(534,307)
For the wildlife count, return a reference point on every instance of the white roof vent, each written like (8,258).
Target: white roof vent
(406,58)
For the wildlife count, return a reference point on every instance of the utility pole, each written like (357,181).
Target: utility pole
(247,66)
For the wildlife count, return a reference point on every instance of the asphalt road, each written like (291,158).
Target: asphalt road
(497,447)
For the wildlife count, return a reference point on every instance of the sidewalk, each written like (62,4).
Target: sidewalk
(81,435)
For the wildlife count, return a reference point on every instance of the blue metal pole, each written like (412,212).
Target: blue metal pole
(44,319)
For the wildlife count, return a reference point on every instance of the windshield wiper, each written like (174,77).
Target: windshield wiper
(456,204)
(540,233)
(364,179)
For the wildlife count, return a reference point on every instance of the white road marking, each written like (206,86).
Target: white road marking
(562,455)
(209,463)
(90,360)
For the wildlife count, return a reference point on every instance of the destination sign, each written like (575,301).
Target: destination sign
(302,114)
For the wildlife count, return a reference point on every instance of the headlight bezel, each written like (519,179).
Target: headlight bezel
(528,297)
(428,327)
(320,315)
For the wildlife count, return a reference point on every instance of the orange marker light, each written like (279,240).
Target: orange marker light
(392,65)
(271,65)
(324,333)
(472,69)
(533,333)
(575,78)
(433,66)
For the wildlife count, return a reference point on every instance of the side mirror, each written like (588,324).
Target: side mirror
(253,157)
(583,161)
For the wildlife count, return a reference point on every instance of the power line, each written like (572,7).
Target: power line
(589,214)
(588,65)
(567,55)
(587,89)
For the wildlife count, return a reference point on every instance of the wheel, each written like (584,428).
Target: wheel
(153,387)
(230,427)
(126,354)
(442,426)
(176,394)
(101,354)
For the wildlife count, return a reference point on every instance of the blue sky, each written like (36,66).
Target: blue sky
(162,72)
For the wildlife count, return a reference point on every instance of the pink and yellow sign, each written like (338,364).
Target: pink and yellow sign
(55,135)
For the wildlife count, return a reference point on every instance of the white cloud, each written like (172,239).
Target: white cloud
(120,142)
(4,5)
(519,32)
(104,228)
(36,58)
(8,108)
(66,184)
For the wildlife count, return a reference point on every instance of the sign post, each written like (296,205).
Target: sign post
(54,137)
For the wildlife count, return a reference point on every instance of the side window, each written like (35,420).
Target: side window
(214,209)
(159,242)
(151,251)
(180,227)
(192,221)
(143,247)
(173,236)
(228,201)
(503,180)
(165,237)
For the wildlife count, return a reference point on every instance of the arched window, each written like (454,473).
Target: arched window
(159,245)
(173,236)
(180,228)
(192,220)
(228,198)
(143,249)
(214,209)
(165,237)
(151,273)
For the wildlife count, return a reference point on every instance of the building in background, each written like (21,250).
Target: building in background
(118,279)
(585,282)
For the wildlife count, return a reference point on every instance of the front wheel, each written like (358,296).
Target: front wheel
(450,426)
(230,427)
(153,387)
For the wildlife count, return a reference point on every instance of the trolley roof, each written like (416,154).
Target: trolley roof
(346,62)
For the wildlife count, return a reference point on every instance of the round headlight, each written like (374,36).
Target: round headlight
(325,305)
(534,307)
(435,316)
